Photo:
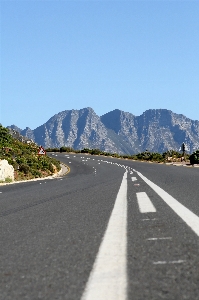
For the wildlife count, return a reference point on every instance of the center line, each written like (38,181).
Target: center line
(108,278)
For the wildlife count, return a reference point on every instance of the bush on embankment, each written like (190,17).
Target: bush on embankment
(24,158)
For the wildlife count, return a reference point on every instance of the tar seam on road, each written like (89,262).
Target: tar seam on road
(108,278)
(184,213)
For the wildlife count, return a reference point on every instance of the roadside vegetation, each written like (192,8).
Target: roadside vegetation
(194,157)
(28,164)
(166,157)
(24,158)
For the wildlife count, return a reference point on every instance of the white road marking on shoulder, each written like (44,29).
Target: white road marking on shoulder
(108,278)
(149,219)
(184,213)
(144,203)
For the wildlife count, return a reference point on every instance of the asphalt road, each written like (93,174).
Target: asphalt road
(103,231)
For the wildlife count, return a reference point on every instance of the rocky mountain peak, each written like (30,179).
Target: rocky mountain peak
(157,130)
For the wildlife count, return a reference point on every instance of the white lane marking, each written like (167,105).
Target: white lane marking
(144,203)
(133,178)
(149,219)
(169,262)
(184,213)
(162,238)
(108,278)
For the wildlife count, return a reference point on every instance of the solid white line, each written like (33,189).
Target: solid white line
(108,278)
(184,213)
(144,203)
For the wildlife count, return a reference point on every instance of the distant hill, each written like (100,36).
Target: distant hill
(156,130)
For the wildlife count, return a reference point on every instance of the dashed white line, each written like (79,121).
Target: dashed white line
(144,203)
(184,213)
(161,238)
(154,219)
(163,262)
(133,178)
(108,279)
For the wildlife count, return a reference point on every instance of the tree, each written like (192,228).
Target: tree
(5,137)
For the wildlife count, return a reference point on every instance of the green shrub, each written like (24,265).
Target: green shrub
(24,168)
(194,157)
(8,180)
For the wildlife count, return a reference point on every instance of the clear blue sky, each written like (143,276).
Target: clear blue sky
(130,55)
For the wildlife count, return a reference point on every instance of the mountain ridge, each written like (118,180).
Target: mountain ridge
(156,130)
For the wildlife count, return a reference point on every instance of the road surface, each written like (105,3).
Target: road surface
(110,229)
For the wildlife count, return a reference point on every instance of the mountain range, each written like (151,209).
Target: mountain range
(157,130)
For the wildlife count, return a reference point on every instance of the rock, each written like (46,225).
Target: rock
(6,170)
